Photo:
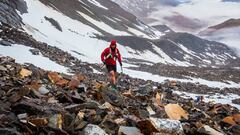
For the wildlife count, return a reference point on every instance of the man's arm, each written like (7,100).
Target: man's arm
(119,58)
(103,55)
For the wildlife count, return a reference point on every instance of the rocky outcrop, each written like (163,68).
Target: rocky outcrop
(8,13)
(54,23)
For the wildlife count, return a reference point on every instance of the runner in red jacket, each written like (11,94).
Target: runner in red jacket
(109,57)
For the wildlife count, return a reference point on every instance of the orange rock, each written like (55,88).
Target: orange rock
(98,85)
(158,99)
(236,118)
(25,73)
(80,77)
(73,84)
(229,120)
(216,107)
(34,86)
(127,94)
(173,83)
(38,122)
(54,77)
(175,112)
(120,121)
(62,82)
(57,79)
(80,115)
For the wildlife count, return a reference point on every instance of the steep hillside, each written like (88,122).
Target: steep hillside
(83,28)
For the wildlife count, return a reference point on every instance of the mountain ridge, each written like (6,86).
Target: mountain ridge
(137,40)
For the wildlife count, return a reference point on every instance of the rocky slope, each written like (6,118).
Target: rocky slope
(34,101)
(12,36)
(208,73)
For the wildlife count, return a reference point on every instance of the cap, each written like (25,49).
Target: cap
(113,42)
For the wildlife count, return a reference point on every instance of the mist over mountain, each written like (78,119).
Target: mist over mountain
(191,16)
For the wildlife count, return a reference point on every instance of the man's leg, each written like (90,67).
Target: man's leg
(112,77)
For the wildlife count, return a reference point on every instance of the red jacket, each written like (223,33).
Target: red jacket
(110,56)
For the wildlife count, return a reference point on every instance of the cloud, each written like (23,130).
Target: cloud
(230,0)
(209,12)
(171,2)
(187,24)
(229,36)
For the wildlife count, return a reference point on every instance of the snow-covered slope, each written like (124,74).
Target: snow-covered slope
(80,22)
(76,36)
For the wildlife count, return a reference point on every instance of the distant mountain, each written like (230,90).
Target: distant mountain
(227,32)
(143,8)
(227,24)
(163,28)
(183,48)
(140,8)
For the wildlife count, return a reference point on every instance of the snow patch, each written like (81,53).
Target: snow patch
(157,78)
(83,3)
(185,49)
(156,33)
(88,10)
(102,25)
(216,98)
(23,55)
(98,4)
(117,19)
(166,59)
(137,32)
(206,61)
(112,20)
(95,71)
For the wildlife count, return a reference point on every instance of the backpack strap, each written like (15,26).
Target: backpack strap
(115,57)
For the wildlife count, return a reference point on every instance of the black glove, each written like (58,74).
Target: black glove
(120,64)
(104,62)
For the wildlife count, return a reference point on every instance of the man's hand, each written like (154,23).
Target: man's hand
(104,62)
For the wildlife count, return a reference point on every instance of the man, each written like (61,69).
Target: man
(109,57)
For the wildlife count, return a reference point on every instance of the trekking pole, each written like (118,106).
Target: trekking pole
(122,69)
(102,66)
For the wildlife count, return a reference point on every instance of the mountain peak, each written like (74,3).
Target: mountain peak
(227,24)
